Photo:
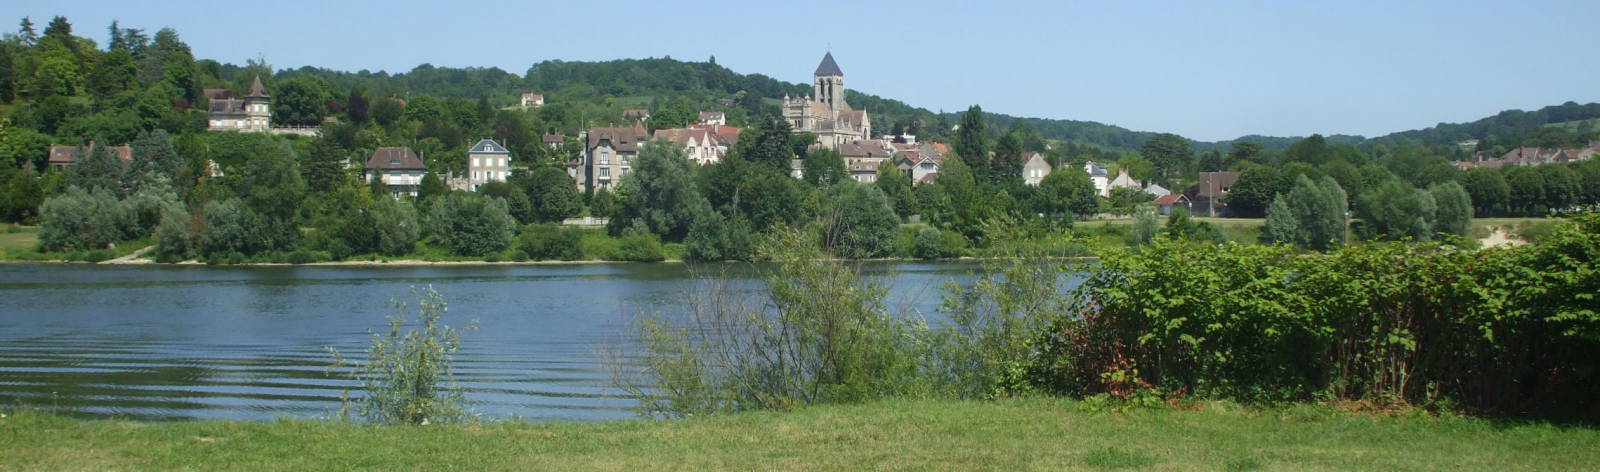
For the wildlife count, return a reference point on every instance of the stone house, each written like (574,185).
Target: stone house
(532,100)
(861,158)
(397,167)
(1124,180)
(62,157)
(251,113)
(1034,168)
(701,144)
(553,141)
(487,161)
(609,156)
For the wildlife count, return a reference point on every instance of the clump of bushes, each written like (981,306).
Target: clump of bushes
(550,242)
(1501,330)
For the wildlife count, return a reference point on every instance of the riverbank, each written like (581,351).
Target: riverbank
(1013,434)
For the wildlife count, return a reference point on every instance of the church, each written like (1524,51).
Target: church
(825,113)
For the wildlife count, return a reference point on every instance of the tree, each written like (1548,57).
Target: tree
(1561,188)
(1312,150)
(387,111)
(1282,227)
(231,227)
(301,100)
(21,196)
(1318,210)
(115,72)
(471,224)
(659,196)
(1397,210)
(25,33)
(1255,189)
(1527,190)
(432,187)
(1006,165)
(825,167)
(553,193)
(1169,152)
(602,204)
(766,142)
(356,106)
(80,219)
(1490,193)
(1452,209)
(153,154)
(517,202)
(896,186)
(324,165)
(99,170)
(24,147)
(1124,200)
(1067,193)
(972,145)
(858,222)
(1243,151)
(1179,225)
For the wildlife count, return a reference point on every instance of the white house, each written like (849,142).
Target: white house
(1034,168)
(1098,174)
(532,100)
(397,167)
(487,161)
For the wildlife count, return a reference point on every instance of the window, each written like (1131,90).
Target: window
(605,157)
(605,173)
(475,162)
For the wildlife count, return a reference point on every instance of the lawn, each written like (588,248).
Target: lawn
(1019,434)
(16,239)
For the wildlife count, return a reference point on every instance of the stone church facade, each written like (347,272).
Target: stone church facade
(825,113)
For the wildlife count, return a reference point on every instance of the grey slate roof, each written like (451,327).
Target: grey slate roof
(1096,170)
(1157,190)
(395,158)
(828,67)
(488,146)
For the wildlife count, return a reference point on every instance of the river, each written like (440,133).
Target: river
(158,343)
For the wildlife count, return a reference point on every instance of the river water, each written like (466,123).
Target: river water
(248,343)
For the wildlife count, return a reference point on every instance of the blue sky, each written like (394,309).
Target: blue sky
(1206,70)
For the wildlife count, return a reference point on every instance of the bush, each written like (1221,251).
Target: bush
(858,222)
(931,243)
(638,248)
(471,224)
(1507,331)
(550,242)
(174,242)
(1146,224)
(78,220)
(232,229)
(408,378)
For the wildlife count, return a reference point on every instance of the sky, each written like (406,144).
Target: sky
(1211,70)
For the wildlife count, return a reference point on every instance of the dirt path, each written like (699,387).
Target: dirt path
(132,258)
(1499,236)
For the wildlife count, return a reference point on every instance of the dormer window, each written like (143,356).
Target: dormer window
(394,163)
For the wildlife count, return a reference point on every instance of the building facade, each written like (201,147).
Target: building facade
(609,156)
(1034,168)
(825,113)
(397,167)
(251,113)
(487,161)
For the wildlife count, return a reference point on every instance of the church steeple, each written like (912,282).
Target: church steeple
(828,67)
(829,84)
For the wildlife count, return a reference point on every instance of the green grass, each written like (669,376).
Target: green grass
(1022,434)
(21,243)
(16,239)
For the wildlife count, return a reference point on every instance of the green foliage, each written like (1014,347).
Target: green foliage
(471,224)
(20,195)
(826,339)
(857,221)
(80,219)
(931,243)
(1452,209)
(1124,200)
(896,186)
(1374,322)
(1254,191)
(637,248)
(99,170)
(715,238)
(24,147)
(517,201)
(1397,210)
(1282,226)
(174,239)
(766,142)
(233,228)
(1169,153)
(825,167)
(1066,194)
(408,377)
(551,242)
(301,100)
(1311,215)
(1179,225)
(994,321)
(603,204)
(659,196)
(552,192)
(1146,225)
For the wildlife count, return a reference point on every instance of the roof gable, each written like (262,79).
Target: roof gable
(828,67)
(488,146)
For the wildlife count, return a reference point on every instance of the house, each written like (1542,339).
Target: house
(701,144)
(1034,168)
(1530,157)
(62,157)
(1209,193)
(713,118)
(554,141)
(609,155)
(825,113)
(1157,190)
(920,161)
(1166,203)
(532,100)
(251,113)
(1098,174)
(638,114)
(487,161)
(397,167)
(1124,180)
(861,158)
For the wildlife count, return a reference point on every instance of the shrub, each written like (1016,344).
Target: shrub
(174,242)
(858,222)
(408,378)
(1146,224)
(929,245)
(550,242)
(471,224)
(78,219)
(231,228)
(638,248)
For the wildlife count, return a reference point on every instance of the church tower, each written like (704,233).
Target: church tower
(829,84)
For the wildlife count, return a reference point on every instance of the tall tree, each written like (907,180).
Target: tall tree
(825,167)
(99,170)
(1067,193)
(1452,209)
(301,101)
(1006,166)
(1169,152)
(324,165)
(659,196)
(25,33)
(153,154)
(972,143)
(356,106)
(896,186)
(766,142)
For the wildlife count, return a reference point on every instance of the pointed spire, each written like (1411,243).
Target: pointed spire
(828,67)
(256,90)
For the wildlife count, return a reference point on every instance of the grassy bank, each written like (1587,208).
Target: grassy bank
(1025,434)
